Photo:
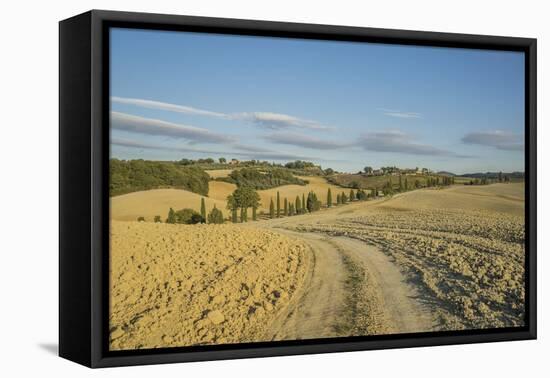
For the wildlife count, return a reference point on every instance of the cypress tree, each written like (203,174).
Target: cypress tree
(254,215)
(243,214)
(171,216)
(271,209)
(286,207)
(203,210)
(351,195)
(298,207)
(278,205)
(343,198)
(304,207)
(234,215)
(338,199)
(291,209)
(329,198)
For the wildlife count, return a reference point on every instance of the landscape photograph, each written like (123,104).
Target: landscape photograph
(273,189)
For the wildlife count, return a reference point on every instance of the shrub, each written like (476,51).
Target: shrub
(215,216)
(141,219)
(187,216)
(157,219)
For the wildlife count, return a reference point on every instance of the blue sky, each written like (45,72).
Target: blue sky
(343,105)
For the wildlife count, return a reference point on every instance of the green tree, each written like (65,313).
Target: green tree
(171,216)
(329,198)
(232,206)
(271,209)
(351,195)
(387,189)
(215,216)
(304,207)
(222,160)
(203,209)
(338,199)
(343,198)
(254,213)
(243,198)
(278,205)
(291,210)
(285,212)
(158,219)
(298,205)
(312,204)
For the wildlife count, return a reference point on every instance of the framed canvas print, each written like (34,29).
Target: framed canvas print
(234,188)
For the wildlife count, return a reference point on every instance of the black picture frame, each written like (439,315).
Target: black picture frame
(84,200)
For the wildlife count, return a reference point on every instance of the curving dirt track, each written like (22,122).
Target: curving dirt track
(381,302)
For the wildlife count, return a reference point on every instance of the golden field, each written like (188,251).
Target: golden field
(176,285)
(426,260)
(216,173)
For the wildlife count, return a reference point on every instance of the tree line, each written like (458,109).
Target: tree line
(128,176)
(254,178)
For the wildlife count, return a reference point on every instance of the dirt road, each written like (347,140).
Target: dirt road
(353,288)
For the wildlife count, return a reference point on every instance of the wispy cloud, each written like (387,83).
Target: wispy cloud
(278,121)
(150,126)
(400,142)
(264,119)
(149,104)
(302,140)
(150,146)
(258,155)
(502,140)
(400,114)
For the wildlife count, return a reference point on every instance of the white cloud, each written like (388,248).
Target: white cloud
(264,119)
(399,142)
(149,104)
(150,126)
(278,121)
(400,114)
(301,140)
(502,140)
